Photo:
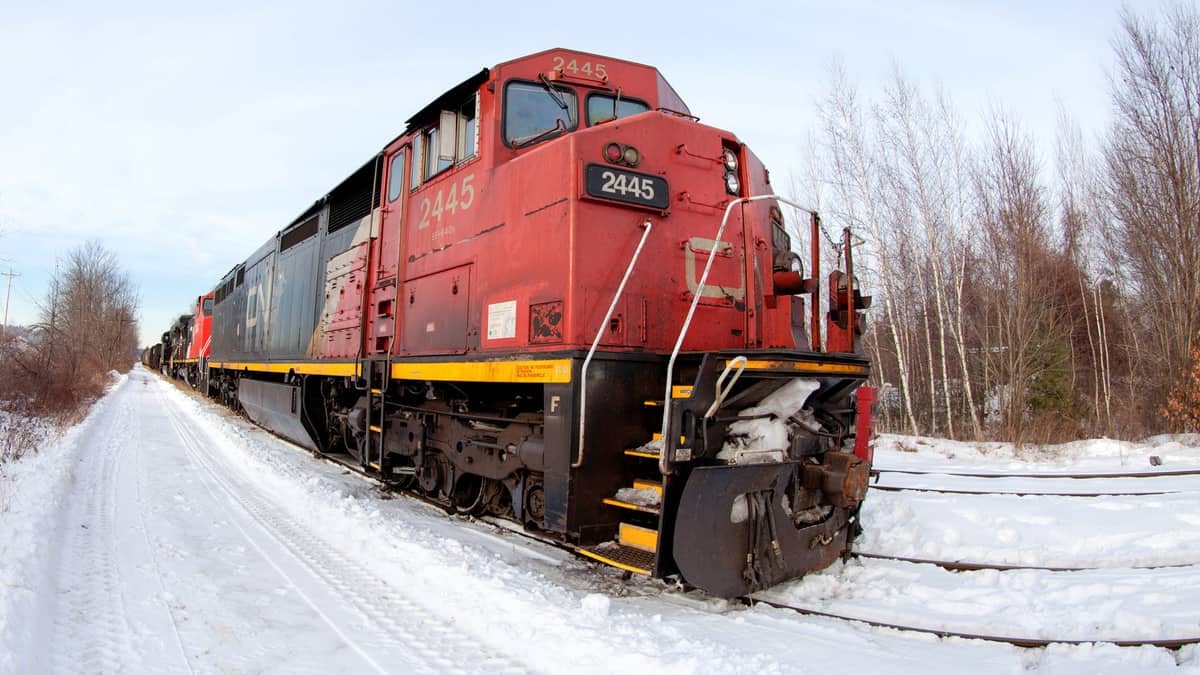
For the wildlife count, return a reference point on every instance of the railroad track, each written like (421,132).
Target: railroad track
(957,565)
(510,528)
(1077,476)
(1017,641)
(1134,484)
(1020,493)
(971,566)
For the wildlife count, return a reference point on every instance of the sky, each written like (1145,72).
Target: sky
(183,136)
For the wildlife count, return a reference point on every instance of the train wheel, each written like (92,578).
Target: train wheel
(535,503)
(468,494)
(429,475)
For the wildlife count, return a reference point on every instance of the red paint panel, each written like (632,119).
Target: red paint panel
(435,310)
(201,344)
(340,327)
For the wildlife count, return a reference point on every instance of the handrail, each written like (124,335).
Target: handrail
(587,361)
(724,389)
(664,465)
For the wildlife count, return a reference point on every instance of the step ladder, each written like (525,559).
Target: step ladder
(635,547)
(377,375)
(636,544)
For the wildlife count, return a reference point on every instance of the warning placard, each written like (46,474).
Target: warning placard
(502,320)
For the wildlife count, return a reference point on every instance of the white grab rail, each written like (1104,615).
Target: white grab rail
(587,361)
(723,389)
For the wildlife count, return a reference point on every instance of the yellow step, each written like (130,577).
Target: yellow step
(634,452)
(638,537)
(612,501)
(657,436)
(642,484)
(622,557)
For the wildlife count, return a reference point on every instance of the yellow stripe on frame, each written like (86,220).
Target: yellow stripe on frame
(334,369)
(808,366)
(556,371)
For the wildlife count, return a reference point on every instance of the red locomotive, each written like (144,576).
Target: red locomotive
(187,345)
(560,299)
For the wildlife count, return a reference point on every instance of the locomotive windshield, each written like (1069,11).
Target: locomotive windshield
(602,108)
(535,111)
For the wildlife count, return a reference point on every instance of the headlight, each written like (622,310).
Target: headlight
(613,152)
(622,154)
(732,186)
(729,160)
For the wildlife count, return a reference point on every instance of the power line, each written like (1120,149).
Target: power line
(7,294)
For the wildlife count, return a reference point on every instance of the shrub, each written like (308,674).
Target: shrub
(1182,409)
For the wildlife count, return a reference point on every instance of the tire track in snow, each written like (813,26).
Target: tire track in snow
(390,630)
(91,629)
(139,509)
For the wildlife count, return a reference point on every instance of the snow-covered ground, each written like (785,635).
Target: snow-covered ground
(165,535)
(1096,456)
(1119,531)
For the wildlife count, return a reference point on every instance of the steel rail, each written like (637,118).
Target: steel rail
(1079,476)
(1017,641)
(1022,493)
(971,566)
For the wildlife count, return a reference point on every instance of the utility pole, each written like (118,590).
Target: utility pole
(7,294)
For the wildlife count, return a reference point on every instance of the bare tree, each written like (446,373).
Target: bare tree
(1027,290)
(1152,186)
(88,327)
(1079,206)
(927,165)
(859,201)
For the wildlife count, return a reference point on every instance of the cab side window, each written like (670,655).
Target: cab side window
(453,140)
(533,112)
(602,108)
(435,161)
(418,148)
(396,176)
(468,130)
